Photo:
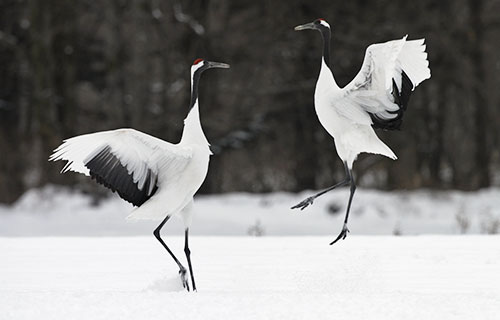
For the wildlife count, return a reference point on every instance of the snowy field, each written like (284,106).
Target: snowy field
(64,256)
(55,211)
(363,277)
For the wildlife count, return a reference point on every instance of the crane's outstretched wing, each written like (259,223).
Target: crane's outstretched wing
(124,160)
(380,92)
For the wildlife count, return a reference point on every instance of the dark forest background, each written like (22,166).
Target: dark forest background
(73,67)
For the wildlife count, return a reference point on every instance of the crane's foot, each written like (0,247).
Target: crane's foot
(184,279)
(342,234)
(304,204)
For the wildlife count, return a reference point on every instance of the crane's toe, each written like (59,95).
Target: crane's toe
(304,204)
(184,280)
(342,235)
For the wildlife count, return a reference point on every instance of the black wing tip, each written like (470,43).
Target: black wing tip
(406,90)
(106,169)
(401,98)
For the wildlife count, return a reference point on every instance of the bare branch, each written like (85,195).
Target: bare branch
(187,19)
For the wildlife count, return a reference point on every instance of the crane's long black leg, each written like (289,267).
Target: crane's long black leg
(188,257)
(308,201)
(344,231)
(182,270)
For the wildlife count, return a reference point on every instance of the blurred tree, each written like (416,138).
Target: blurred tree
(71,67)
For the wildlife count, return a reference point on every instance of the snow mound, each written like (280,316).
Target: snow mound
(61,212)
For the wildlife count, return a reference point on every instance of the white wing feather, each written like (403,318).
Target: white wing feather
(371,90)
(137,151)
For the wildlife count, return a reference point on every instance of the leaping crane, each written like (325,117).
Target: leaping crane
(376,98)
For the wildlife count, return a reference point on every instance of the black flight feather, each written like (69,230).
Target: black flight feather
(401,98)
(107,170)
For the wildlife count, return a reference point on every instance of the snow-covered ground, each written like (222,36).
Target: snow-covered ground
(87,265)
(58,211)
(363,277)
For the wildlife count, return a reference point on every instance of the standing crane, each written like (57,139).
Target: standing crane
(158,177)
(376,98)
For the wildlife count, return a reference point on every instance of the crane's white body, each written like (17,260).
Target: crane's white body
(177,189)
(180,168)
(344,112)
(350,138)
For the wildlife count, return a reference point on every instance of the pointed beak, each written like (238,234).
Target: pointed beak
(305,26)
(217,65)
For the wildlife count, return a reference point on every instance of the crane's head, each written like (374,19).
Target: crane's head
(200,65)
(318,24)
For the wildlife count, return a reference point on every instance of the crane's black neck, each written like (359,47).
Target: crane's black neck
(194,89)
(326,35)
(193,132)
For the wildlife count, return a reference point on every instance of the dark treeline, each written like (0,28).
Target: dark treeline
(72,67)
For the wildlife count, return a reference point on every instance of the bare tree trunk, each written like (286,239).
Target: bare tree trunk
(481,116)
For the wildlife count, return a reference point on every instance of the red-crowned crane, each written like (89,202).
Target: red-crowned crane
(158,177)
(376,98)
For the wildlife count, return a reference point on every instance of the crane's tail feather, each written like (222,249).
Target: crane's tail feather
(381,148)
